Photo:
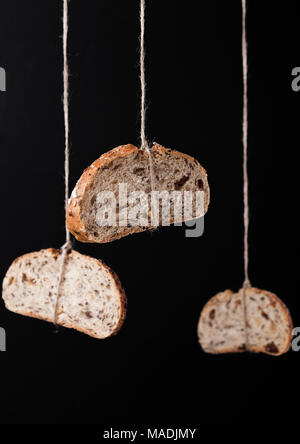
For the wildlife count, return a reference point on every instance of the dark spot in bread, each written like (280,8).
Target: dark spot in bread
(96,234)
(93,199)
(11,280)
(271,348)
(179,183)
(200,184)
(212,314)
(55,253)
(138,171)
(24,277)
(264,315)
(242,347)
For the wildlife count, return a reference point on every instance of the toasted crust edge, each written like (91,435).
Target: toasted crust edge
(73,217)
(118,287)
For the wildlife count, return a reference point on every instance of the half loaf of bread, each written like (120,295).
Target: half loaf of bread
(268,327)
(91,297)
(126,164)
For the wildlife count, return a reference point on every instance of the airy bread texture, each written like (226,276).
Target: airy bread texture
(91,299)
(222,328)
(173,171)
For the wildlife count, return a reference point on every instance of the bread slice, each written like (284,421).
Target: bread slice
(173,171)
(91,299)
(222,327)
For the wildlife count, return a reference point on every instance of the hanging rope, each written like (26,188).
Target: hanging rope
(245,146)
(246,283)
(144,143)
(65,249)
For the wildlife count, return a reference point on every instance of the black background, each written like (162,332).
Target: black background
(153,370)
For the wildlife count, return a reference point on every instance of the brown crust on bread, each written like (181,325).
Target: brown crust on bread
(118,286)
(73,216)
(73,213)
(122,295)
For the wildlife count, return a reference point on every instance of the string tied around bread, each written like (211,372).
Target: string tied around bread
(228,310)
(67,246)
(246,283)
(144,142)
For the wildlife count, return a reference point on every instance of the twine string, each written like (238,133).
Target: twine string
(245,146)
(67,247)
(66,112)
(246,283)
(144,142)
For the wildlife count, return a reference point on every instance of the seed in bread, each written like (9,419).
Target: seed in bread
(173,171)
(222,327)
(91,298)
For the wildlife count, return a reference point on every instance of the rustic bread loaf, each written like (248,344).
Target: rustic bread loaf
(222,327)
(91,297)
(173,171)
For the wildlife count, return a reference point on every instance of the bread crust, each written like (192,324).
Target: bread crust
(73,213)
(272,296)
(118,287)
(73,216)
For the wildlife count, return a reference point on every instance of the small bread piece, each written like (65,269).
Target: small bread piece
(222,328)
(91,299)
(173,171)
